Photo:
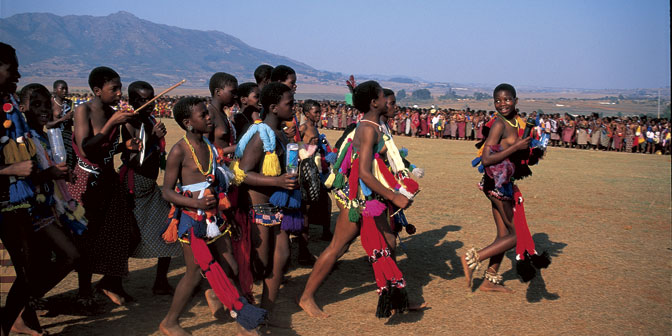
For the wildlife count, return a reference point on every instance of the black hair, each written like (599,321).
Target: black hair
(245,89)
(29,91)
(271,94)
(220,80)
(309,104)
(137,86)
(388,92)
(505,87)
(364,93)
(59,82)
(281,72)
(183,108)
(263,72)
(7,54)
(101,75)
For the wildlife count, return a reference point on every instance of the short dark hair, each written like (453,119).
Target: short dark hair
(281,72)
(101,75)
(245,89)
(388,92)
(220,80)
(272,93)
(59,82)
(137,86)
(309,104)
(364,93)
(29,90)
(183,108)
(263,72)
(7,54)
(505,87)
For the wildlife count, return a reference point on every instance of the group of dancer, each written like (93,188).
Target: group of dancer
(633,134)
(235,188)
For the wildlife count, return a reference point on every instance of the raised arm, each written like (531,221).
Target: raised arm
(88,143)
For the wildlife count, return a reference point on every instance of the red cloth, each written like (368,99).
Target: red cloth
(220,283)
(242,253)
(384,267)
(524,240)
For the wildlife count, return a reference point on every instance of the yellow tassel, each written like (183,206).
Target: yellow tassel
(330,180)
(10,152)
(318,161)
(31,149)
(40,198)
(79,212)
(23,153)
(239,174)
(480,151)
(271,166)
(378,175)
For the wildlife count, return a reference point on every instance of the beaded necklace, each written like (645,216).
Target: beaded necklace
(55,101)
(373,122)
(198,164)
(509,122)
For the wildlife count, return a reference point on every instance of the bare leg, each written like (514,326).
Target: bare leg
(222,251)
(495,261)
(15,238)
(506,237)
(274,277)
(170,324)
(50,275)
(20,327)
(323,215)
(344,232)
(305,257)
(263,247)
(161,285)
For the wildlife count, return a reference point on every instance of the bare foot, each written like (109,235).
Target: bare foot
(468,273)
(417,306)
(310,307)
(488,286)
(114,297)
(20,327)
(172,330)
(216,307)
(240,331)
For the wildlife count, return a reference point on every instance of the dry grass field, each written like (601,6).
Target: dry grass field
(604,217)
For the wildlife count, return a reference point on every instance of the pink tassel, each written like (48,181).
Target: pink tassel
(373,208)
(346,161)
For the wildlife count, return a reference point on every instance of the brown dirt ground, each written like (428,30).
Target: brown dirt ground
(604,217)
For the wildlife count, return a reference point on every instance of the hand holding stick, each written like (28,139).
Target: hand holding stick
(159,95)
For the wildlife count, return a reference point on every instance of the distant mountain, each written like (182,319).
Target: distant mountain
(51,46)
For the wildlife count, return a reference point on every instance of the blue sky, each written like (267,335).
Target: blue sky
(573,44)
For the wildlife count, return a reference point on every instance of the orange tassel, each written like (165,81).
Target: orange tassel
(170,235)
(224,203)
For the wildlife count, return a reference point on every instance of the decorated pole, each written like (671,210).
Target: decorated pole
(159,95)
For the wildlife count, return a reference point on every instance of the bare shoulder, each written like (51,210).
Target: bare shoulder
(177,151)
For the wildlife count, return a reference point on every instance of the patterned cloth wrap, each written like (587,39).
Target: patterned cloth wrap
(266,214)
(496,181)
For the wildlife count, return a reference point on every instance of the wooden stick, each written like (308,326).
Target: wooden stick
(159,95)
